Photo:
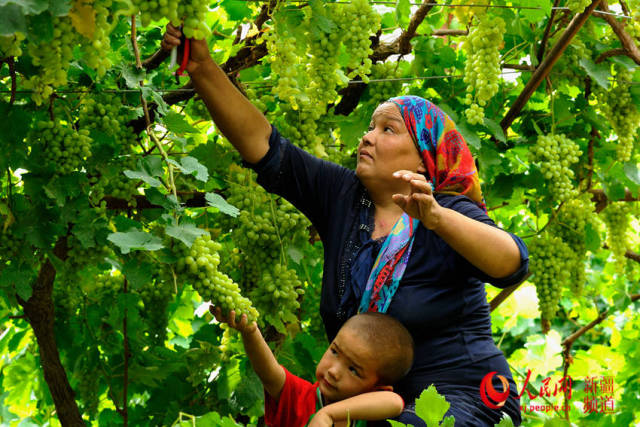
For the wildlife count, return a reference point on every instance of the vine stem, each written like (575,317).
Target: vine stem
(125,380)
(145,107)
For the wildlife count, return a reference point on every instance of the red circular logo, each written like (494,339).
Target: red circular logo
(490,395)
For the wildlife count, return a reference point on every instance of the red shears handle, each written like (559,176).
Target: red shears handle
(185,57)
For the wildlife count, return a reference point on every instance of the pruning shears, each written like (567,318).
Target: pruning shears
(183,51)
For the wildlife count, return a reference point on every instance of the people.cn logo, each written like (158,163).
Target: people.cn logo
(490,396)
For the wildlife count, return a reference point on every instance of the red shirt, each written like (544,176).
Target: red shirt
(296,404)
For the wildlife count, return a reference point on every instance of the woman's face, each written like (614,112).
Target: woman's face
(386,147)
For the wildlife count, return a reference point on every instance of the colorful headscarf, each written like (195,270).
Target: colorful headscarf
(450,170)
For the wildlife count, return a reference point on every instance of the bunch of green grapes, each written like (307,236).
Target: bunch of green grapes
(52,59)
(482,69)
(567,66)
(357,21)
(301,127)
(106,113)
(550,273)
(95,49)
(571,227)
(632,25)
(156,295)
(281,46)
(199,264)
(556,154)
(380,91)
(276,295)
(577,6)
(617,217)
(191,13)
(10,45)
(619,108)
(9,245)
(61,145)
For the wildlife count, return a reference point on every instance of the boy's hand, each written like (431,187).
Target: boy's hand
(199,54)
(242,325)
(321,419)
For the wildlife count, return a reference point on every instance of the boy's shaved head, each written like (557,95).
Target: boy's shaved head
(390,341)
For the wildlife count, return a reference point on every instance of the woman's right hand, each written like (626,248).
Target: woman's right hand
(199,54)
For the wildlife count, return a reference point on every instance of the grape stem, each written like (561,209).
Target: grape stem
(145,107)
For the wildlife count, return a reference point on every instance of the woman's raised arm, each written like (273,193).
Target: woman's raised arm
(240,121)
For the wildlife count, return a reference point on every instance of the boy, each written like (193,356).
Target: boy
(370,352)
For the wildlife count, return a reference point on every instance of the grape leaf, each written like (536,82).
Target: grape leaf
(237,10)
(157,198)
(135,240)
(469,136)
(177,124)
(144,176)
(449,421)
(631,171)
(598,72)
(217,201)
(186,233)
(592,238)
(495,129)
(431,406)
(505,421)
(557,422)
(397,423)
(17,276)
(138,273)
(403,10)
(192,166)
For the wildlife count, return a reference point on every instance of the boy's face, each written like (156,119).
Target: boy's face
(347,368)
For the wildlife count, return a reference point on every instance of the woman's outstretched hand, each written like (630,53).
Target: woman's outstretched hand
(242,325)
(419,203)
(199,52)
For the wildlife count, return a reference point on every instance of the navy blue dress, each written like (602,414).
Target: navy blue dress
(441,298)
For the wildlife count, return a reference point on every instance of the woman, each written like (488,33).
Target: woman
(399,236)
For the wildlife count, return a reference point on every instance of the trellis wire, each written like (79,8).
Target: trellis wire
(257,83)
(498,6)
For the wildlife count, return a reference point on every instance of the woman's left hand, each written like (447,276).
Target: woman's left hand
(419,203)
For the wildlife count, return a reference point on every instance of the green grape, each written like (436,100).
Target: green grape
(568,66)
(191,13)
(10,45)
(94,49)
(277,293)
(106,114)
(482,69)
(556,154)
(570,226)
(380,91)
(357,21)
(616,217)
(61,146)
(550,275)
(52,59)
(200,264)
(618,107)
